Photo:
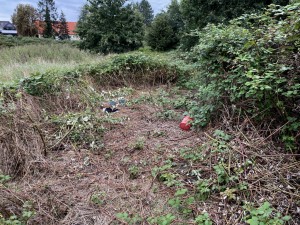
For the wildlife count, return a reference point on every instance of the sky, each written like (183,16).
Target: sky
(71,8)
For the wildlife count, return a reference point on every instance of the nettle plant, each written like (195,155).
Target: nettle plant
(252,60)
(264,215)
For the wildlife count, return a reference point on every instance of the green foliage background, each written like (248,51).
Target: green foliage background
(110,26)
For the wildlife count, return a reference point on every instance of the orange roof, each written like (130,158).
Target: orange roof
(71,27)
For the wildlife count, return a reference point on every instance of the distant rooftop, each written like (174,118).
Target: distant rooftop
(7,28)
(71,27)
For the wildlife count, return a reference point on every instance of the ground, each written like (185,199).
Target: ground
(145,161)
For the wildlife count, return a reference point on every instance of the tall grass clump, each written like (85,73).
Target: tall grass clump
(6,41)
(22,61)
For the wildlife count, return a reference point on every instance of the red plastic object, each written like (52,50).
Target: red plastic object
(186,123)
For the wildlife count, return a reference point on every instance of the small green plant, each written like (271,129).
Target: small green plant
(169,179)
(98,198)
(194,154)
(220,144)
(180,102)
(223,176)
(175,202)
(138,144)
(156,171)
(264,215)
(27,214)
(4,178)
(202,190)
(203,219)
(162,220)
(243,186)
(164,175)
(129,219)
(221,135)
(229,194)
(168,114)
(133,172)
(182,201)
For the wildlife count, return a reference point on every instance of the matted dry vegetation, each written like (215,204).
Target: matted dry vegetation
(67,182)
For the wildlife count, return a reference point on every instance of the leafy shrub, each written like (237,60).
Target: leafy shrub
(251,64)
(48,82)
(135,68)
(120,70)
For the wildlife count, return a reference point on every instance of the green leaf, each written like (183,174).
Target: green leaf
(253,221)
(181,192)
(286,218)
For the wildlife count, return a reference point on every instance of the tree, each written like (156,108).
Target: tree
(63,30)
(146,10)
(24,18)
(82,25)
(175,18)
(197,13)
(110,26)
(48,14)
(165,31)
(160,35)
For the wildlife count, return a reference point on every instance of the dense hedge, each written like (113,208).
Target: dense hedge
(252,64)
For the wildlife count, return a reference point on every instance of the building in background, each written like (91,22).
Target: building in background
(71,27)
(7,28)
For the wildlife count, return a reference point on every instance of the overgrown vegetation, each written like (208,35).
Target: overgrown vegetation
(6,41)
(250,66)
(23,61)
(64,161)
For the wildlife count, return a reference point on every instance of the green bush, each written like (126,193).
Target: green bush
(134,69)
(120,70)
(250,64)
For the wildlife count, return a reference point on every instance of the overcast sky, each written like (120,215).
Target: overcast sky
(71,8)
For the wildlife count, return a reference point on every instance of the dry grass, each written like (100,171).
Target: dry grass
(64,184)
(21,142)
